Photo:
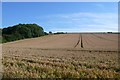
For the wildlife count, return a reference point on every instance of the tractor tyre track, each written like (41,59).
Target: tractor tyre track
(79,42)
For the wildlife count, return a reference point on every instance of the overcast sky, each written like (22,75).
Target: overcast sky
(63,16)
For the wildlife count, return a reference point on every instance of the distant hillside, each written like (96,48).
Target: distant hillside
(22,31)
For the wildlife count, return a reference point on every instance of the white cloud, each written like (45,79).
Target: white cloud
(84,22)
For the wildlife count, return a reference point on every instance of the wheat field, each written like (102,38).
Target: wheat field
(62,56)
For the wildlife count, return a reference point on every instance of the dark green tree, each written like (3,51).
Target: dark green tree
(22,31)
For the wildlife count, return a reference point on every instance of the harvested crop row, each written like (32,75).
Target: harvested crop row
(97,43)
(54,56)
(52,41)
(20,69)
(59,64)
(109,37)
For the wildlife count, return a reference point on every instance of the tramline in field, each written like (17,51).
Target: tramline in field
(63,56)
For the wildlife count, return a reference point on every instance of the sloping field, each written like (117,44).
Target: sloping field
(63,56)
(100,41)
(89,41)
(50,41)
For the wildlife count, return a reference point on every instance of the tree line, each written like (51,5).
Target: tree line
(22,31)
